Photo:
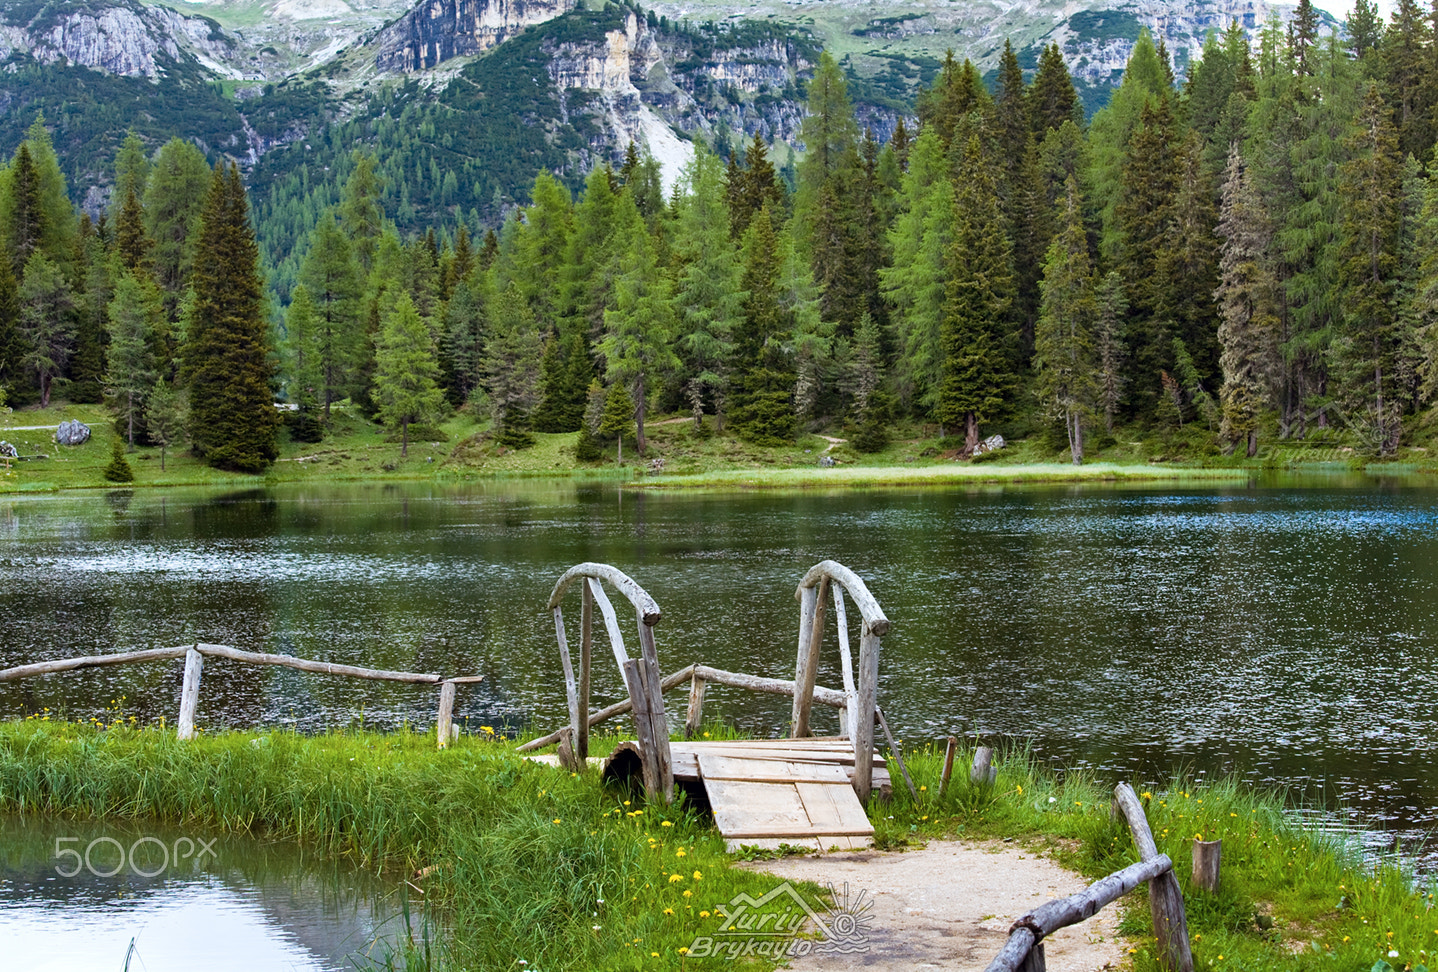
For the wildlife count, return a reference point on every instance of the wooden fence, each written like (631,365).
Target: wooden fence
(1024,951)
(194,656)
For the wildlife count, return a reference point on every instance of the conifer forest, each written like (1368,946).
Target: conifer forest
(1249,253)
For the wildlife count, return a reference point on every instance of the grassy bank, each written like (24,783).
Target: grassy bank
(537,864)
(461,448)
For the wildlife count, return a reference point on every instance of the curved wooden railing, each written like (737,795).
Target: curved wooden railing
(861,699)
(641,675)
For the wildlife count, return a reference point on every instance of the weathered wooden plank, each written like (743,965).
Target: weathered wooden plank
(756,809)
(807,666)
(1165,898)
(611,625)
(863,721)
(827,756)
(950,749)
(571,690)
(652,678)
(874,620)
(445,720)
(836,744)
(643,728)
(772,686)
(189,694)
(819,845)
(833,808)
(714,767)
(620,581)
(898,756)
(305,665)
(1207,862)
(91,661)
(586,644)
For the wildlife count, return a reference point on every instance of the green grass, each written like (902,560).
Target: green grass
(524,854)
(863,476)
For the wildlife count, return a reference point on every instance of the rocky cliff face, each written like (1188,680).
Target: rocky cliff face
(124,38)
(438,30)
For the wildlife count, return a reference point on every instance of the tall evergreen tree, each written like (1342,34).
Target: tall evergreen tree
(173,205)
(752,187)
(27,218)
(1187,264)
(1248,322)
(406,377)
(1365,358)
(130,369)
(763,371)
(1365,30)
(227,353)
(46,320)
(512,376)
(1110,349)
(1052,98)
(1405,67)
(330,274)
(361,216)
(1063,340)
(12,339)
(976,375)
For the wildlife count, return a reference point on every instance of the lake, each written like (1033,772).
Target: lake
(1283,629)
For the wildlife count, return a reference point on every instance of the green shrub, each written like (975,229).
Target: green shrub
(118,471)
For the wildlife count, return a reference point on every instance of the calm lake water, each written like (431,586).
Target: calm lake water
(75,895)
(1284,630)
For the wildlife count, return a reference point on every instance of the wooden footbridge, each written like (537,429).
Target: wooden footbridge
(804,790)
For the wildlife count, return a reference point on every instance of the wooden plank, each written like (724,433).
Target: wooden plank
(818,845)
(807,667)
(792,755)
(823,743)
(743,808)
(620,581)
(713,767)
(618,708)
(586,644)
(833,698)
(832,808)
(305,665)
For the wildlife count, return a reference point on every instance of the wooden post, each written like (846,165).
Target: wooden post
(567,759)
(643,729)
(1207,858)
(445,720)
(807,598)
(983,772)
(586,641)
(847,718)
(864,718)
(571,689)
(807,668)
(894,749)
(695,717)
(189,694)
(649,656)
(949,750)
(1034,961)
(1165,897)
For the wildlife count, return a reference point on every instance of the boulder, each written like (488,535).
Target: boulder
(826,462)
(72,432)
(8,451)
(992,444)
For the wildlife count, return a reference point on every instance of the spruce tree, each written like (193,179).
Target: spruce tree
(46,320)
(869,413)
(1052,98)
(1063,340)
(639,330)
(27,218)
(130,368)
(465,326)
(752,187)
(361,217)
(1365,357)
(330,273)
(406,378)
(165,417)
(1404,63)
(512,378)
(1248,322)
(227,353)
(118,471)
(957,94)
(1187,263)
(1365,30)
(618,416)
(763,372)
(1109,347)
(976,375)
(590,262)
(303,351)
(12,339)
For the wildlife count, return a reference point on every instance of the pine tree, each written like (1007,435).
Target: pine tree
(512,378)
(870,410)
(708,301)
(406,386)
(618,416)
(173,205)
(639,330)
(27,219)
(12,340)
(91,285)
(1404,64)
(1365,29)
(1303,36)
(165,417)
(227,353)
(1109,347)
(915,283)
(752,187)
(130,369)
(1365,357)
(330,273)
(763,372)
(1187,263)
(46,320)
(464,328)
(1052,98)
(1063,340)
(976,374)
(1248,323)
(303,350)
(118,471)
(132,245)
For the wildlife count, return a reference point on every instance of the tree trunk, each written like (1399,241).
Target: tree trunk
(619,457)
(1252,443)
(162,457)
(971,432)
(639,403)
(130,413)
(1076,440)
(44,391)
(404,438)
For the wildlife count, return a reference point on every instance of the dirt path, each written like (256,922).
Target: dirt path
(950,905)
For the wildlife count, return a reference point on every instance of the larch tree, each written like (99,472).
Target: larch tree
(303,350)
(227,354)
(173,205)
(1063,339)
(330,273)
(46,321)
(512,378)
(130,368)
(406,378)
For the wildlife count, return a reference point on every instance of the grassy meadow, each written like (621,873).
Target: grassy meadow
(526,862)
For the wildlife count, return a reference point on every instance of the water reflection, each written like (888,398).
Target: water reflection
(1283,629)
(75,895)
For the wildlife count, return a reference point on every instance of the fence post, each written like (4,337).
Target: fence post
(695,717)
(189,694)
(1165,898)
(446,712)
(1207,858)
